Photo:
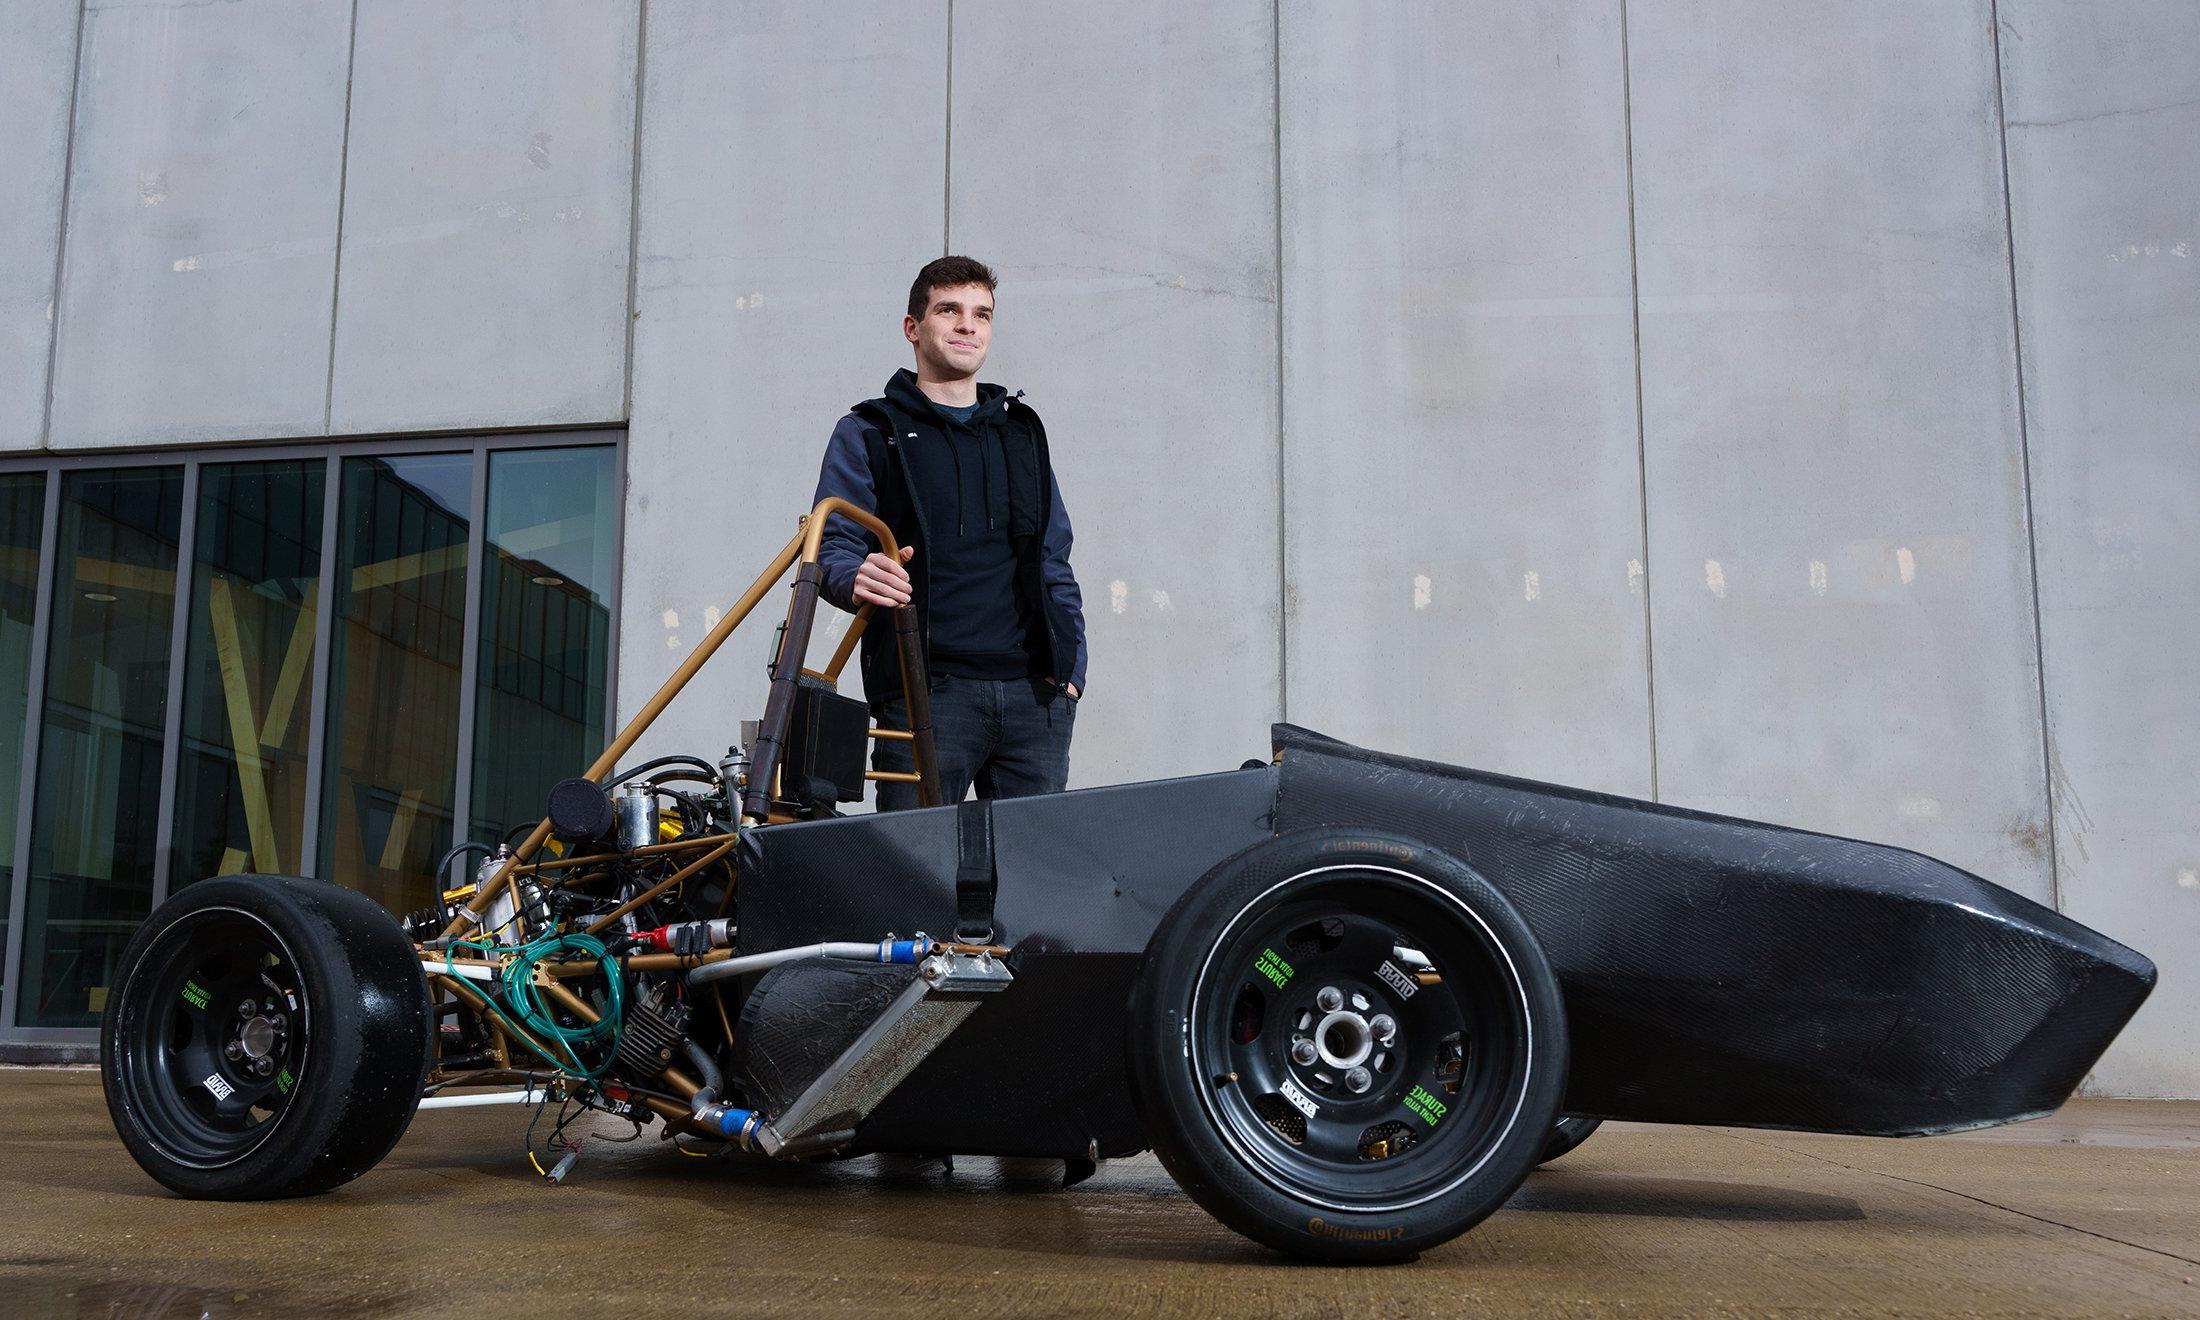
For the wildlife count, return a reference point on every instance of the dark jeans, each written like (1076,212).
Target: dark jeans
(1008,738)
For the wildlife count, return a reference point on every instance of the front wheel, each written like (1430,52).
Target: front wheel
(1347,1045)
(268,1038)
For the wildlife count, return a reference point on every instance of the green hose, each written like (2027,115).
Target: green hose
(519,988)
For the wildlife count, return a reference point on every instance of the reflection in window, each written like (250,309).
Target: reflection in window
(22,513)
(98,796)
(400,602)
(255,588)
(545,630)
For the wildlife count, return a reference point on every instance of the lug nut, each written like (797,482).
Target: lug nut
(234,1049)
(1303,1052)
(1384,1026)
(265,1064)
(1329,998)
(247,1008)
(1358,1080)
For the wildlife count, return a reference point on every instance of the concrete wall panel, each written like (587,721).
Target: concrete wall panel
(487,210)
(37,73)
(1841,598)
(1461,479)
(2103,105)
(1118,171)
(202,222)
(792,180)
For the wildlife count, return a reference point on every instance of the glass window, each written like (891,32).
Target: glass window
(545,629)
(99,761)
(248,677)
(393,728)
(22,515)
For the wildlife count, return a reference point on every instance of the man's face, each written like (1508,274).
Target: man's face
(955,332)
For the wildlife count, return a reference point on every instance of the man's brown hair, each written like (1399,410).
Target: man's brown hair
(947,273)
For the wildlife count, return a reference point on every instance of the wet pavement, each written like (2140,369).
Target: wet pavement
(2093,1212)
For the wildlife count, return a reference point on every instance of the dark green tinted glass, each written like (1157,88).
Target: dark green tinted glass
(22,511)
(545,629)
(255,588)
(400,602)
(99,757)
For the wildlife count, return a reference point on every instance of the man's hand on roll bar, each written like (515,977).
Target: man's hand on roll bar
(884,582)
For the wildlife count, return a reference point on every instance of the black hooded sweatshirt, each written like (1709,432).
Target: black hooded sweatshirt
(980,627)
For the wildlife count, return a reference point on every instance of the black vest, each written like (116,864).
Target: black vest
(1030,507)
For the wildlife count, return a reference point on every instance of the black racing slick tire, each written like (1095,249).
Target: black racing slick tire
(1568,1134)
(267,1038)
(1347,1045)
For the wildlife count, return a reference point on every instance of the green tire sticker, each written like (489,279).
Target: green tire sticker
(1425,1107)
(194,994)
(1271,965)
(284,1081)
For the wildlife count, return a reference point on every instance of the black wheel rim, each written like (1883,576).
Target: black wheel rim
(1360,970)
(212,1036)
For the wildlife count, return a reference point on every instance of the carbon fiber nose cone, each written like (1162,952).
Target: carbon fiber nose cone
(1730,972)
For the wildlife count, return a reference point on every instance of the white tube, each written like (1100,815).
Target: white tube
(757,962)
(472,972)
(468,1099)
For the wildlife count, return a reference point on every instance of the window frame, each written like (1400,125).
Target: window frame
(18,1043)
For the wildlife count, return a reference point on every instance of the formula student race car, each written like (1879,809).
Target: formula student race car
(1351,999)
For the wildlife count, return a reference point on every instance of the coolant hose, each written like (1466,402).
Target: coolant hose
(880,951)
(714,1081)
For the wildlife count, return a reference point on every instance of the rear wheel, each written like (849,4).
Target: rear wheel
(1568,1134)
(268,1038)
(1347,1045)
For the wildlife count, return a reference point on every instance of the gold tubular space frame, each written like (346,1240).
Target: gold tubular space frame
(506,1041)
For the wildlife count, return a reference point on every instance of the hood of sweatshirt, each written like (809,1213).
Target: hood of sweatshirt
(902,391)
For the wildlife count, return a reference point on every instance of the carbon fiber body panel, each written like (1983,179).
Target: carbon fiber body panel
(1715,970)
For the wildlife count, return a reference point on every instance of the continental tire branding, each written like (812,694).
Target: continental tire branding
(1340,1233)
(1388,848)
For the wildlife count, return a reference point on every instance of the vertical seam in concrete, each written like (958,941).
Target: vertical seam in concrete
(634,207)
(2024,453)
(947,144)
(1283,543)
(336,272)
(61,230)
(1642,446)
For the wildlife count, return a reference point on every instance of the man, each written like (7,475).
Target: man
(959,471)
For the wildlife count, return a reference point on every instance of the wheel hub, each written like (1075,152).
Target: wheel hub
(256,1038)
(1344,1041)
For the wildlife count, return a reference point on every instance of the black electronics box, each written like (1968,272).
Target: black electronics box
(828,742)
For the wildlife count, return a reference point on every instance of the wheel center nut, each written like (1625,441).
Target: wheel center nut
(258,1037)
(1344,1040)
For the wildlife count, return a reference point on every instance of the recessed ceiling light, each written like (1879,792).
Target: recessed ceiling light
(548,580)
(102,597)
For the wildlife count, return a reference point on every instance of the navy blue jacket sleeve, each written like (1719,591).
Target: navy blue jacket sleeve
(1059,582)
(846,475)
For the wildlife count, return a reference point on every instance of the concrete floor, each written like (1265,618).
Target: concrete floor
(2095,1211)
